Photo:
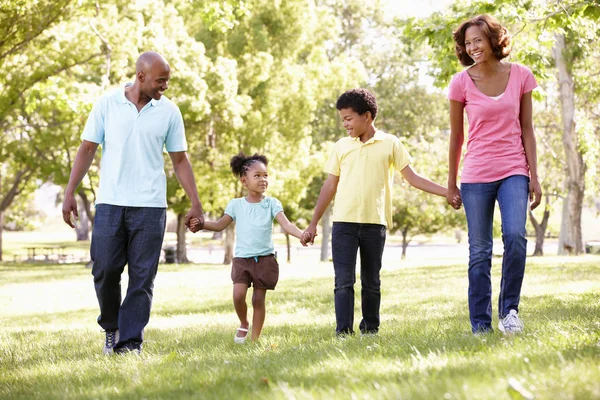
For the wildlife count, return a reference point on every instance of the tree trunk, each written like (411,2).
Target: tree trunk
(82,227)
(570,240)
(229,242)
(289,247)
(540,228)
(405,242)
(181,245)
(1,231)
(326,234)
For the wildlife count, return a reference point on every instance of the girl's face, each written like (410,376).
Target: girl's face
(478,45)
(256,178)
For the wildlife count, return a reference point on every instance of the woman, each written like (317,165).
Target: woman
(500,164)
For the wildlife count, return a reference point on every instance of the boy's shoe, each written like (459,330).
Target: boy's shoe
(112,337)
(511,324)
(128,350)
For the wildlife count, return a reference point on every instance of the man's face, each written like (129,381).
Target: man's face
(355,124)
(156,80)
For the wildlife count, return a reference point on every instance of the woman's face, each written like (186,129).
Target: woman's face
(478,45)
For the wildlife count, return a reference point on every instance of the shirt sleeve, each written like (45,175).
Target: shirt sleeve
(528,82)
(276,207)
(175,140)
(333,164)
(230,209)
(456,90)
(401,156)
(94,127)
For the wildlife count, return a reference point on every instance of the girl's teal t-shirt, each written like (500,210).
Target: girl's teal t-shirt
(254,225)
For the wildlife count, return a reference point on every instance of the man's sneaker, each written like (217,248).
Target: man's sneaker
(511,324)
(112,337)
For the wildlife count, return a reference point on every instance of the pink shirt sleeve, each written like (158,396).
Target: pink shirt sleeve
(456,90)
(528,80)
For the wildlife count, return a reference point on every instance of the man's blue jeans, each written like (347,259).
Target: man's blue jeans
(346,239)
(479,199)
(132,236)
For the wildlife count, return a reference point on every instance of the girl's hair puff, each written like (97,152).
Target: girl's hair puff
(240,163)
(498,35)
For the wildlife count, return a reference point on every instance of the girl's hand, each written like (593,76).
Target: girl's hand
(195,225)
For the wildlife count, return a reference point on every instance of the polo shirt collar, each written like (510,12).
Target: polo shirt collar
(122,99)
(379,135)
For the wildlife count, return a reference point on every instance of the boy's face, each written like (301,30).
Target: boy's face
(355,124)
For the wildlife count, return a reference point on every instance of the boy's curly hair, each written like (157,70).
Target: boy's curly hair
(498,35)
(240,162)
(359,100)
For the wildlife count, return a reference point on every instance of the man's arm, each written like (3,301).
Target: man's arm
(327,194)
(81,165)
(185,176)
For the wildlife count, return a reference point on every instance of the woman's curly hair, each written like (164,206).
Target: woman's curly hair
(496,33)
(240,163)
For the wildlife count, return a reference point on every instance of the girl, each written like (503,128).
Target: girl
(500,164)
(254,263)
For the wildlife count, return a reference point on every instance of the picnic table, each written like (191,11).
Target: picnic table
(46,253)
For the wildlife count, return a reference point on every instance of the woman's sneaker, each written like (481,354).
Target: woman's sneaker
(511,324)
(112,337)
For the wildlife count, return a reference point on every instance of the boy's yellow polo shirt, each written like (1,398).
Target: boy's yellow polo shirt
(366,171)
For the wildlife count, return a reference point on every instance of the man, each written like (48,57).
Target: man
(361,171)
(133,124)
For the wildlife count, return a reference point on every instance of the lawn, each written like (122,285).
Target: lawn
(50,345)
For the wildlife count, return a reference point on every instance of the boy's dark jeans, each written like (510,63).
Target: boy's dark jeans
(133,236)
(347,239)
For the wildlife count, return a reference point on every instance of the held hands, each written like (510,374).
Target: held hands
(194,219)
(308,236)
(453,197)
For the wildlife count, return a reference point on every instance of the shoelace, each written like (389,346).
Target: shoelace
(110,338)
(511,321)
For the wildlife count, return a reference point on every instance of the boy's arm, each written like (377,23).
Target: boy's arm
(327,194)
(219,225)
(288,227)
(423,183)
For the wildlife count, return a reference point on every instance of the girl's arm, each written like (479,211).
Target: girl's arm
(422,183)
(287,226)
(219,225)
(530,146)
(457,137)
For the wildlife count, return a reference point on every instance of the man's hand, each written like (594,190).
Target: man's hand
(197,213)
(308,236)
(535,193)
(69,206)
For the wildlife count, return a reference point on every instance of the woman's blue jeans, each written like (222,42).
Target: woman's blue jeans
(132,236)
(346,239)
(479,199)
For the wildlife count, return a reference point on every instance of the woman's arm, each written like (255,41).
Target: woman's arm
(457,137)
(288,227)
(219,225)
(530,146)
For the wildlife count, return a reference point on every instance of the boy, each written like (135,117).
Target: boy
(361,171)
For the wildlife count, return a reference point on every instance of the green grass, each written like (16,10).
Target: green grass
(50,346)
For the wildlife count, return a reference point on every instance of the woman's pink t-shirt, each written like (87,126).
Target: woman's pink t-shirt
(494,147)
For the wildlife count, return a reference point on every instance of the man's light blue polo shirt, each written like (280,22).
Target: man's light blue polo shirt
(253,225)
(132,167)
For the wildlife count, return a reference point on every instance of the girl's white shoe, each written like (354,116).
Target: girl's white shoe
(240,339)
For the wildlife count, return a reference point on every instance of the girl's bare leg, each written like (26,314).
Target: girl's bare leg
(259,312)
(241,309)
